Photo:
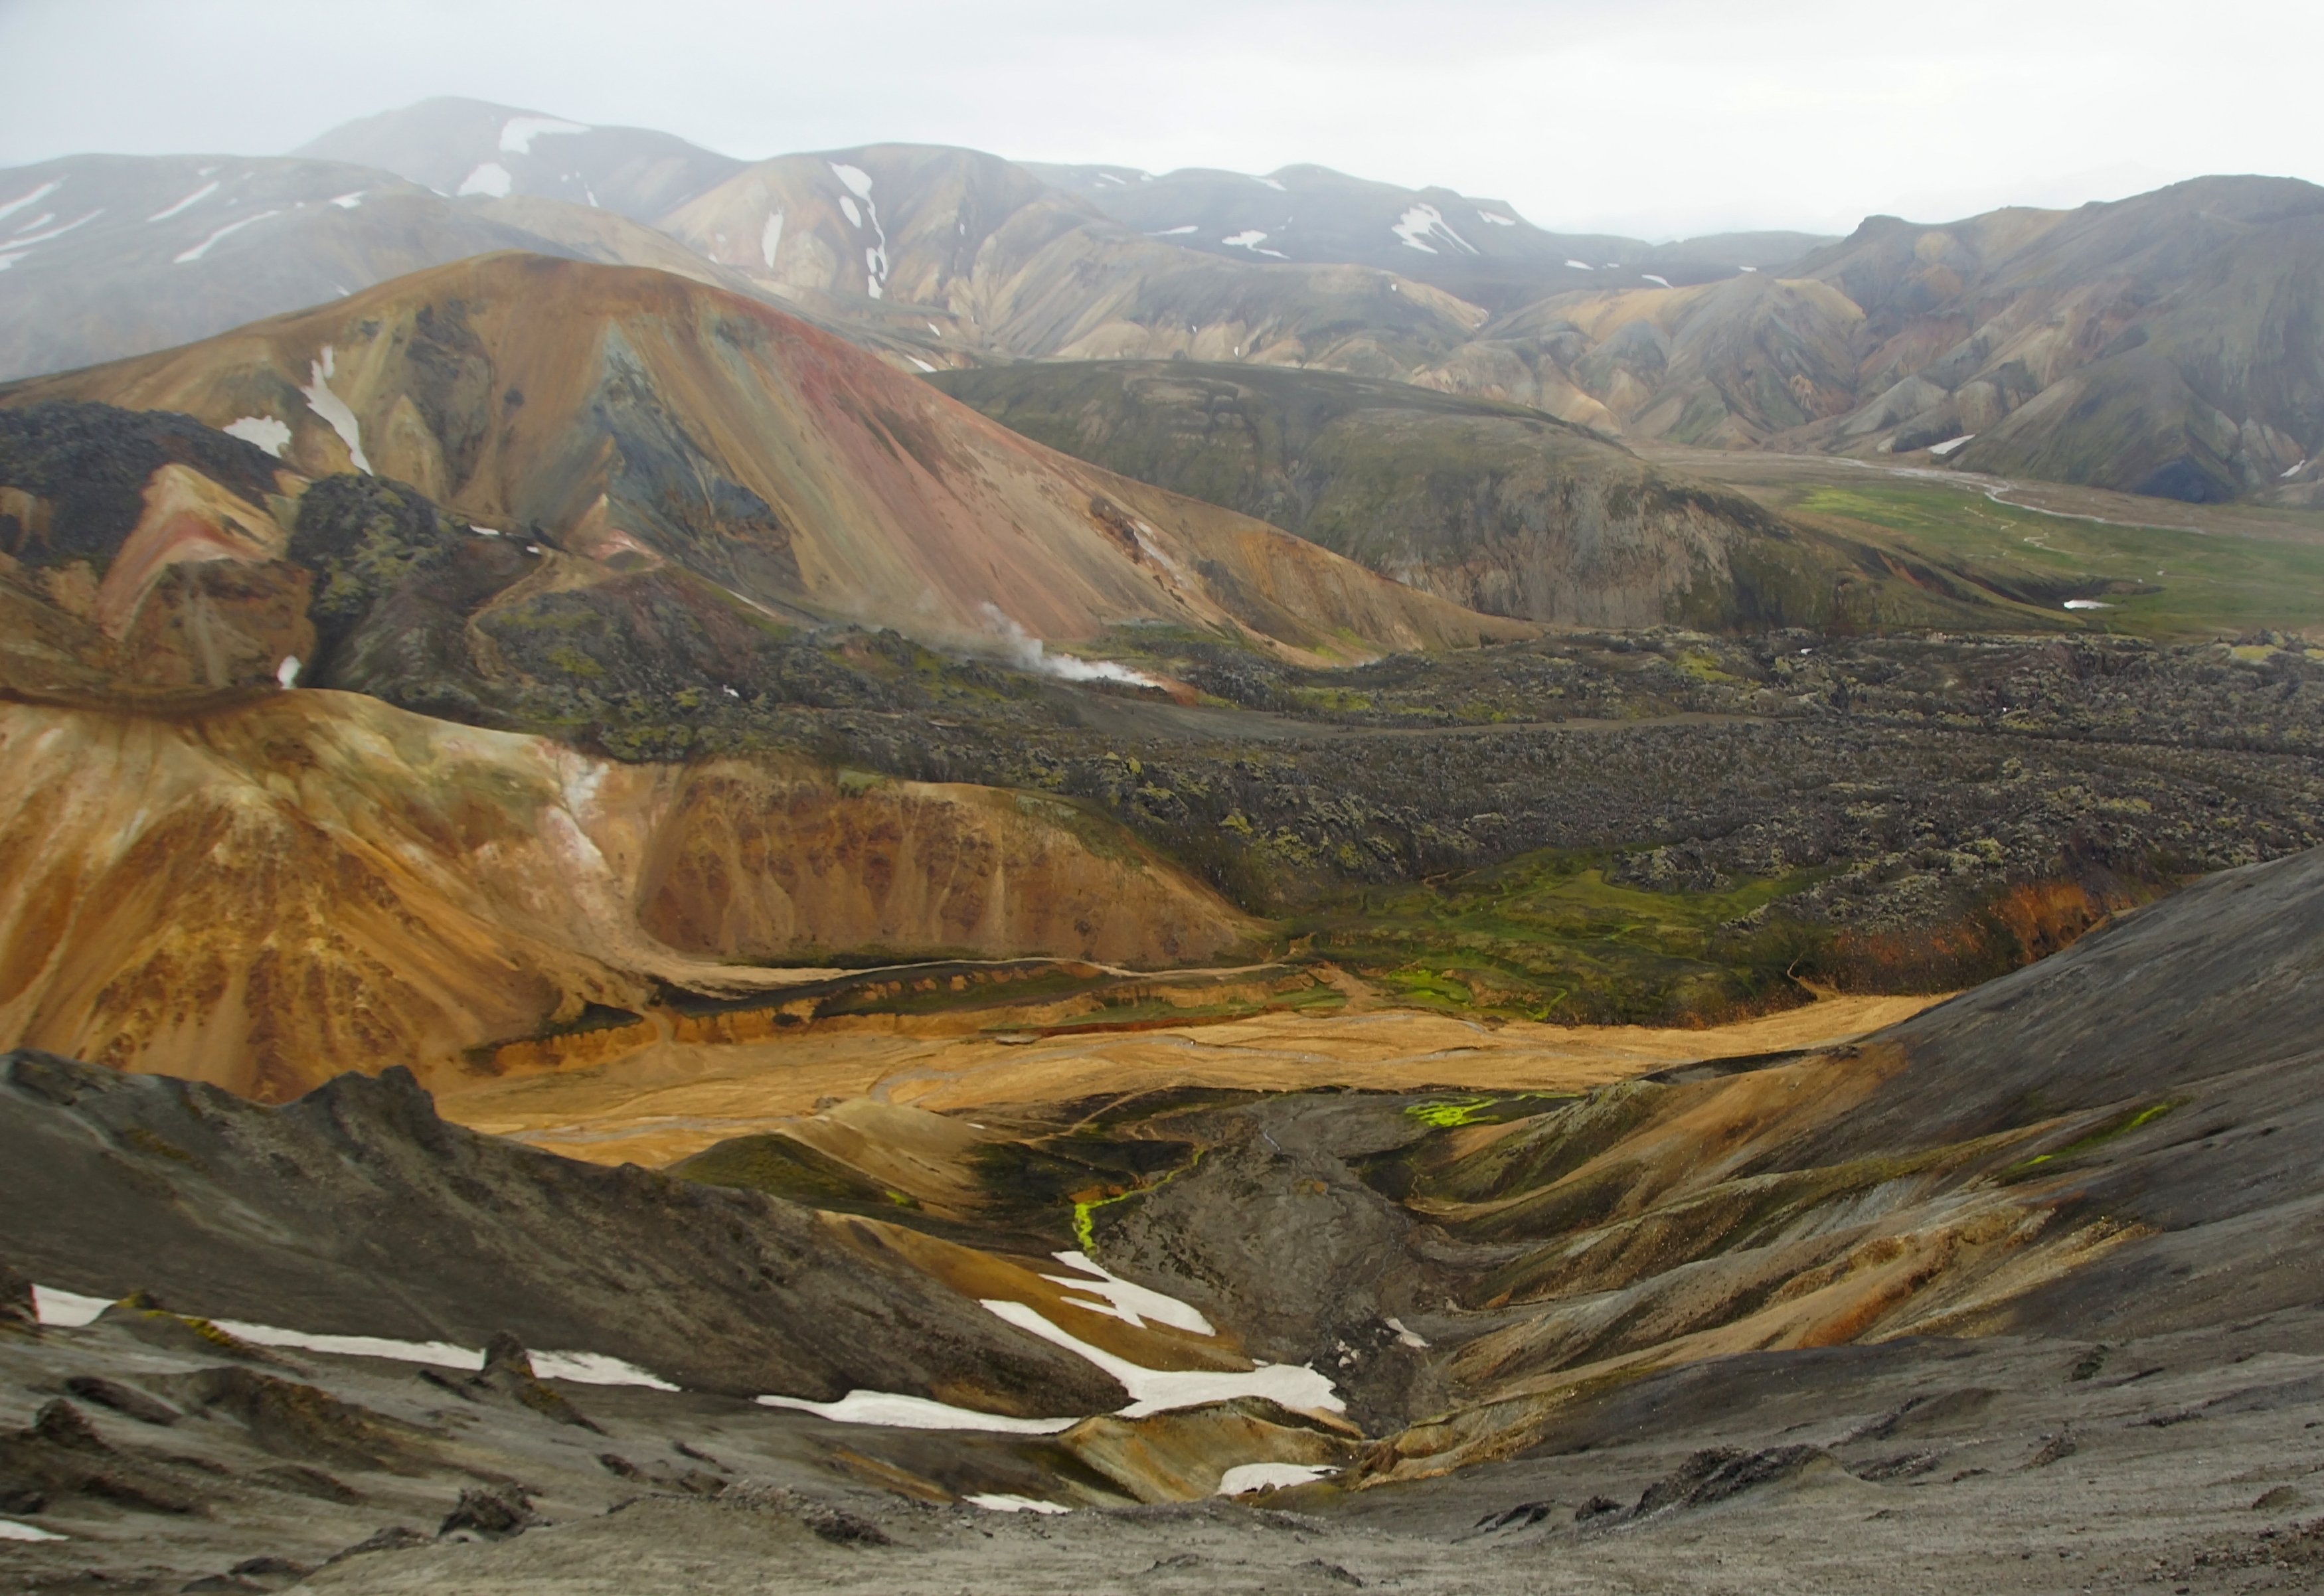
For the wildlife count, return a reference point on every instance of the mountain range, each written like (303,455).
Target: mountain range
(889,869)
(2160,344)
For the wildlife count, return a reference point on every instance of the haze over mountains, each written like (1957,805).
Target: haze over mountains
(2158,334)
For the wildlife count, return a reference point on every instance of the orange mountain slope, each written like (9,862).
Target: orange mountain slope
(266,896)
(637,419)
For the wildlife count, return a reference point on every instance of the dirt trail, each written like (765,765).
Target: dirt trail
(670,1100)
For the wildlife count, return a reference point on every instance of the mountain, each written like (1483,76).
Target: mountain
(463,147)
(1733,363)
(2165,344)
(115,255)
(993,262)
(1481,250)
(243,895)
(1492,506)
(2168,343)
(639,421)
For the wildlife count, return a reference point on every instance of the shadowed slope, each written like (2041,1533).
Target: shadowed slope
(1492,506)
(357,1210)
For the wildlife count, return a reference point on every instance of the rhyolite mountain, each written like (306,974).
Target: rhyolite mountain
(114,256)
(640,421)
(2164,344)
(463,147)
(991,262)
(1483,250)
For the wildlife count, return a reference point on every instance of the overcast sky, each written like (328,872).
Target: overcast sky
(1656,117)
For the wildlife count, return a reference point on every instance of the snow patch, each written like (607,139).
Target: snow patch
(1125,1300)
(770,238)
(1497,218)
(585,1369)
(855,216)
(1746,268)
(595,1368)
(2295,471)
(1409,1338)
(1175,232)
(194,198)
(42,220)
(518,133)
(1941,450)
(1579,266)
(1422,222)
(917,361)
(1271,183)
(1029,653)
(349,201)
(491,179)
(10,1530)
(1650,277)
(1250,238)
(855,176)
(66,1308)
(2087,604)
(34,198)
(334,409)
(1245,1476)
(1158,1390)
(1001,1501)
(936,330)
(286,674)
(916,1413)
(184,257)
(442,1353)
(19,242)
(266,431)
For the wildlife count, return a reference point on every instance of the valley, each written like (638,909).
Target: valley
(891,870)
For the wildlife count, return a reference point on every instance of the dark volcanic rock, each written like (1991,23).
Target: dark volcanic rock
(305,1423)
(61,1455)
(1716,1473)
(123,1399)
(493,1511)
(508,1372)
(356,1209)
(18,1313)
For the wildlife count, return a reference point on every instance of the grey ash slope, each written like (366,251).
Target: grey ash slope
(357,1207)
(463,146)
